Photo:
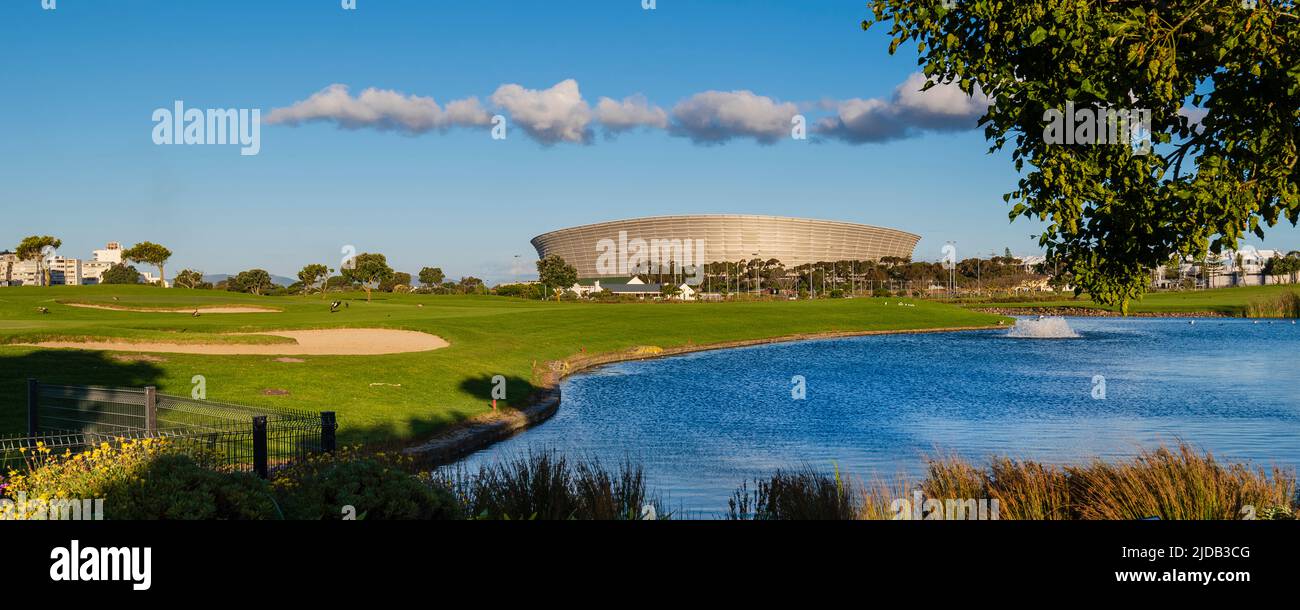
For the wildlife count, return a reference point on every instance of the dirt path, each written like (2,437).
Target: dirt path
(330,342)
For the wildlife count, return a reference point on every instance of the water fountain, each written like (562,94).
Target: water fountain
(1042,328)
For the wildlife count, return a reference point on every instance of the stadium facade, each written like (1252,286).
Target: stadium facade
(719,238)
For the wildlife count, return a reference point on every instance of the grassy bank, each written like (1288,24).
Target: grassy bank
(398,396)
(1244,301)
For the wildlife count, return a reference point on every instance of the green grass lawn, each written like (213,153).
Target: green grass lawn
(1232,301)
(413,394)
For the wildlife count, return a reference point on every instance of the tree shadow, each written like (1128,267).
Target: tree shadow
(65,367)
(403,433)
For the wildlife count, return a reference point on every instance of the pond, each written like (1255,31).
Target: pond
(1057,390)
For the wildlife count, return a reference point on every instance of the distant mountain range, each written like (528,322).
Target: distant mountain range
(278,280)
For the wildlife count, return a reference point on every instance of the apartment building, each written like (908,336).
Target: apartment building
(63,271)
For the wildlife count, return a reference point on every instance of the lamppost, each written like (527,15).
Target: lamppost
(757,288)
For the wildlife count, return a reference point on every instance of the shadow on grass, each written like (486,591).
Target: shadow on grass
(68,367)
(403,432)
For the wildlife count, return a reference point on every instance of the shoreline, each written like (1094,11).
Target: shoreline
(483,431)
(1089,312)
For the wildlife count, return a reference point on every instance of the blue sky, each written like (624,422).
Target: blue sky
(79,85)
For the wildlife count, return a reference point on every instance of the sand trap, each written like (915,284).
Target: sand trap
(201,310)
(331,342)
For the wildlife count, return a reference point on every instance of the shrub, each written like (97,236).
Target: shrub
(140,479)
(376,486)
(174,486)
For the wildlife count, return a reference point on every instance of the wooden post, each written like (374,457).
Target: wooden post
(327,426)
(33,406)
(259,446)
(151,410)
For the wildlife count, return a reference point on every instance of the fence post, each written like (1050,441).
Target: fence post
(33,402)
(327,425)
(259,446)
(151,410)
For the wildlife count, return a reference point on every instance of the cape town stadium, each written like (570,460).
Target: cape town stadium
(727,237)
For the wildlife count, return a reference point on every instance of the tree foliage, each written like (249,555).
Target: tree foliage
(253,281)
(313,276)
(370,270)
(400,281)
(190,278)
(151,253)
(556,274)
(120,274)
(431,277)
(1113,213)
(33,248)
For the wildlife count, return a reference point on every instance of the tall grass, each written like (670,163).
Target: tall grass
(803,495)
(1178,485)
(547,486)
(1284,305)
(1169,484)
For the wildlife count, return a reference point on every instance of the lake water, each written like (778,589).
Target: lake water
(703,423)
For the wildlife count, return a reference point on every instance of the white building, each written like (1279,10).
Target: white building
(26,273)
(101,261)
(63,271)
(1228,273)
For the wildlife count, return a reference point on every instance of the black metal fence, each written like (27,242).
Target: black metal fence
(235,437)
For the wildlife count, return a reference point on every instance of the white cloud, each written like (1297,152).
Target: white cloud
(715,117)
(909,112)
(380,109)
(631,113)
(558,114)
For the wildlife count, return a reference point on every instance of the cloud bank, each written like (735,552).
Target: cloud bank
(909,113)
(560,114)
(381,109)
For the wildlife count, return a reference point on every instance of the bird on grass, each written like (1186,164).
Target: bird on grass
(334,307)
(195,314)
(43,309)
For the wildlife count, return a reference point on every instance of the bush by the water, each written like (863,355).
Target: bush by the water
(546,486)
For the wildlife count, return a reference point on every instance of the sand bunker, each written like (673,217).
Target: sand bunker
(331,342)
(201,310)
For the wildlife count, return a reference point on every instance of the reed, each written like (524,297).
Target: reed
(547,486)
(1284,305)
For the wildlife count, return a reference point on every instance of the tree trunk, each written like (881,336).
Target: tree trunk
(162,276)
(367,293)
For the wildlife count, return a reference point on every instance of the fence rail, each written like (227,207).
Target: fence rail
(237,437)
